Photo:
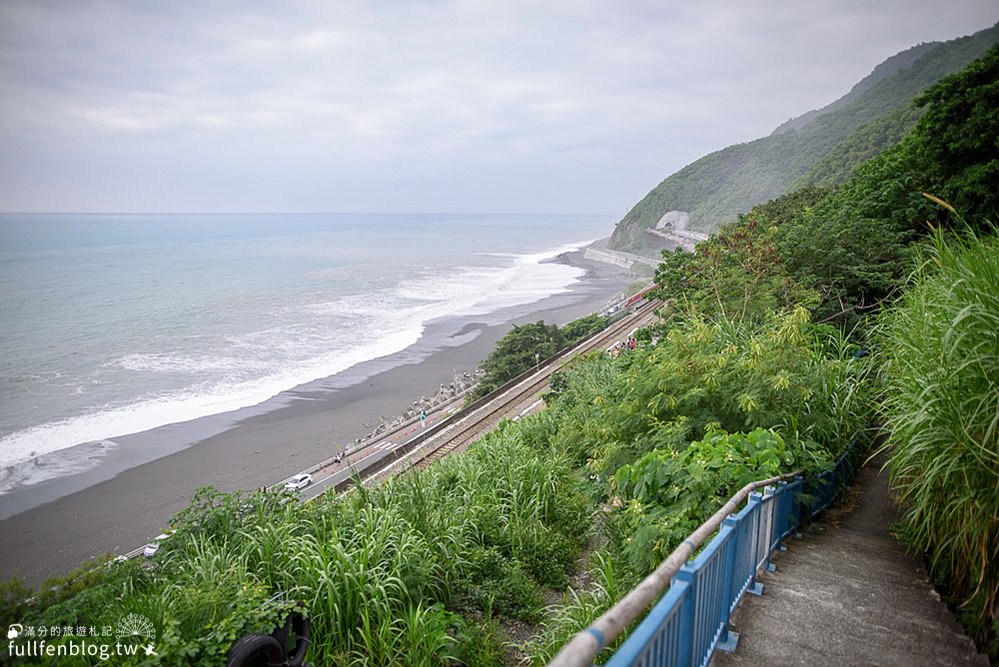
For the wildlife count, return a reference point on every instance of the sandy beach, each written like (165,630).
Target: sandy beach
(127,499)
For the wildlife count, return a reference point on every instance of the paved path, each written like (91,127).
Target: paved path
(847,593)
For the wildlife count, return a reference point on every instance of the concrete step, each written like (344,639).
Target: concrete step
(848,593)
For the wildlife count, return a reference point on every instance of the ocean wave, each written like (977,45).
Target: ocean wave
(472,290)
(53,465)
(164,362)
(299,343)
(202,400)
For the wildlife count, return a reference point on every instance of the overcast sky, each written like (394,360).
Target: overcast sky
(574,106)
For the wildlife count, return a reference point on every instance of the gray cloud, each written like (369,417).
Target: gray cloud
(427,105)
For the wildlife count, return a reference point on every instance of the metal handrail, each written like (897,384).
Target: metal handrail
(691,620)
(584,646)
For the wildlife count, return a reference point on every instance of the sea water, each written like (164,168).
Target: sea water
(115,324)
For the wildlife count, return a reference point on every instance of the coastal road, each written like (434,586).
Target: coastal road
(399,451)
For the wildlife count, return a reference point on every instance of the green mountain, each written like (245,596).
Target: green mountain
(819,148)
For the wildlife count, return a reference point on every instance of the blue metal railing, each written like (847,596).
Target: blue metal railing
(692,618)
(709,587)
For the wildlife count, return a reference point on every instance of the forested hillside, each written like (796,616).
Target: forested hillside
(900,61)
(819,148)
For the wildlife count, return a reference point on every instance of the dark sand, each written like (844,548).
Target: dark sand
(128,498)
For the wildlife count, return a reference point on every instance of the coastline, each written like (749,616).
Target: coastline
(58,524)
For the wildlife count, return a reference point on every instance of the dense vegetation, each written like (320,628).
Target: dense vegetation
(822,149)
(845,253)
(527,345)
(767,358)
(867,141)
(941,403)
(429,568)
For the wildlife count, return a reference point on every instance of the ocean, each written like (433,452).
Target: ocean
(116,324)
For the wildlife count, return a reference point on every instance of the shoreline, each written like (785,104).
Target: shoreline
(51,527)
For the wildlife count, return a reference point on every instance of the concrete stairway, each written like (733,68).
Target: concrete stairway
(847,593)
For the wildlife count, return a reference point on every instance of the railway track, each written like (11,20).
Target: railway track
(518,397)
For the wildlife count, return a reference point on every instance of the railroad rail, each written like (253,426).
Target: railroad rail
(511,400)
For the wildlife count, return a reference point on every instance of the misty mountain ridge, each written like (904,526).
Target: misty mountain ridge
(887,69)
(818,148)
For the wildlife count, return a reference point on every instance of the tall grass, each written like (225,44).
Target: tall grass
(940,350)
(578,610)
(386,573)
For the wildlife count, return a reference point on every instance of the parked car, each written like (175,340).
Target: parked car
(150,550)
(299,481)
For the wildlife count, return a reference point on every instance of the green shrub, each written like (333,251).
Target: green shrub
(497,584)
(667,494)
(480,644)
(578,610)
(800,379)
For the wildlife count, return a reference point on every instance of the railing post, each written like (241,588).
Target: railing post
(728,639)
(685,650)
(771,504)
(796,506)
(755,587)
(783,516)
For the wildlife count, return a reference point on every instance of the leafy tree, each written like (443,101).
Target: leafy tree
(517,351)
(738,273)
(579,329)
(958,138)
(852,246)
(525,345)
(675,277)
(734,274)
